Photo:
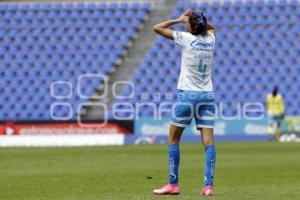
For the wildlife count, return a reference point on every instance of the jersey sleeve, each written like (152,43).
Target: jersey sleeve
(213,36)
(181,38)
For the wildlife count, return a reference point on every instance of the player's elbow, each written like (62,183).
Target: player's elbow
(156,29)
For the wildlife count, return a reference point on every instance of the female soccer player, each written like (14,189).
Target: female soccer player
(196,97)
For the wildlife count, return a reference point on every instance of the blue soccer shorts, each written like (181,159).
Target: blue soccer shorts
(198,105)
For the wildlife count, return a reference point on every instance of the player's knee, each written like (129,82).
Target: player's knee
(207,143)
(173,139)
(175,134)
(207,140)
(207,136)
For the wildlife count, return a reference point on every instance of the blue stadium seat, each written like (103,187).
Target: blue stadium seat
(48,42)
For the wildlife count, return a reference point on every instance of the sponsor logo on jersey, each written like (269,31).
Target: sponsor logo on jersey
(203,46)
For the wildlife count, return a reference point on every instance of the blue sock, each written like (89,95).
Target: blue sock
(210,154)
(174,157)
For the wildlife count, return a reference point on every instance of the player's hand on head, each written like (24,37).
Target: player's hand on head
(185,15)
(188,12)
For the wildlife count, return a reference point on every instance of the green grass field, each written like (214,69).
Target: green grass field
(257,171)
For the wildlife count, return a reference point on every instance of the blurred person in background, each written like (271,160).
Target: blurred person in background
(275,110)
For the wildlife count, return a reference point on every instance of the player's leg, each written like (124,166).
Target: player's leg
(278,131)
(174,152)
(172,187)
(210,160)
(181,118)
(272,128)
(210,155)
(175,133)
(205,123)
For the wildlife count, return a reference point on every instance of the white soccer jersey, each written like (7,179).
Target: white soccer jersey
(196,61)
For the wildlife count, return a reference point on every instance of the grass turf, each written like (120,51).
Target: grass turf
(267,171)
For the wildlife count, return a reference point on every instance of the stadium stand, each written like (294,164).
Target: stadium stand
(257,47)
(41,43)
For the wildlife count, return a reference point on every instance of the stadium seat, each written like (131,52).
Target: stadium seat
(45,43)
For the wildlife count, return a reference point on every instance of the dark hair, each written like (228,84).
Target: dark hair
(275,91)
(198,23)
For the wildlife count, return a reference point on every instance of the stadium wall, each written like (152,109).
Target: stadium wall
(66,128)
(118,139)
(140,131)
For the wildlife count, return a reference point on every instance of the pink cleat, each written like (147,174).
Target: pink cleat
(207,191)
(169,189)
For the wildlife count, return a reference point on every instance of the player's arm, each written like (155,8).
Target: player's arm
(211,28)
(163,28)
